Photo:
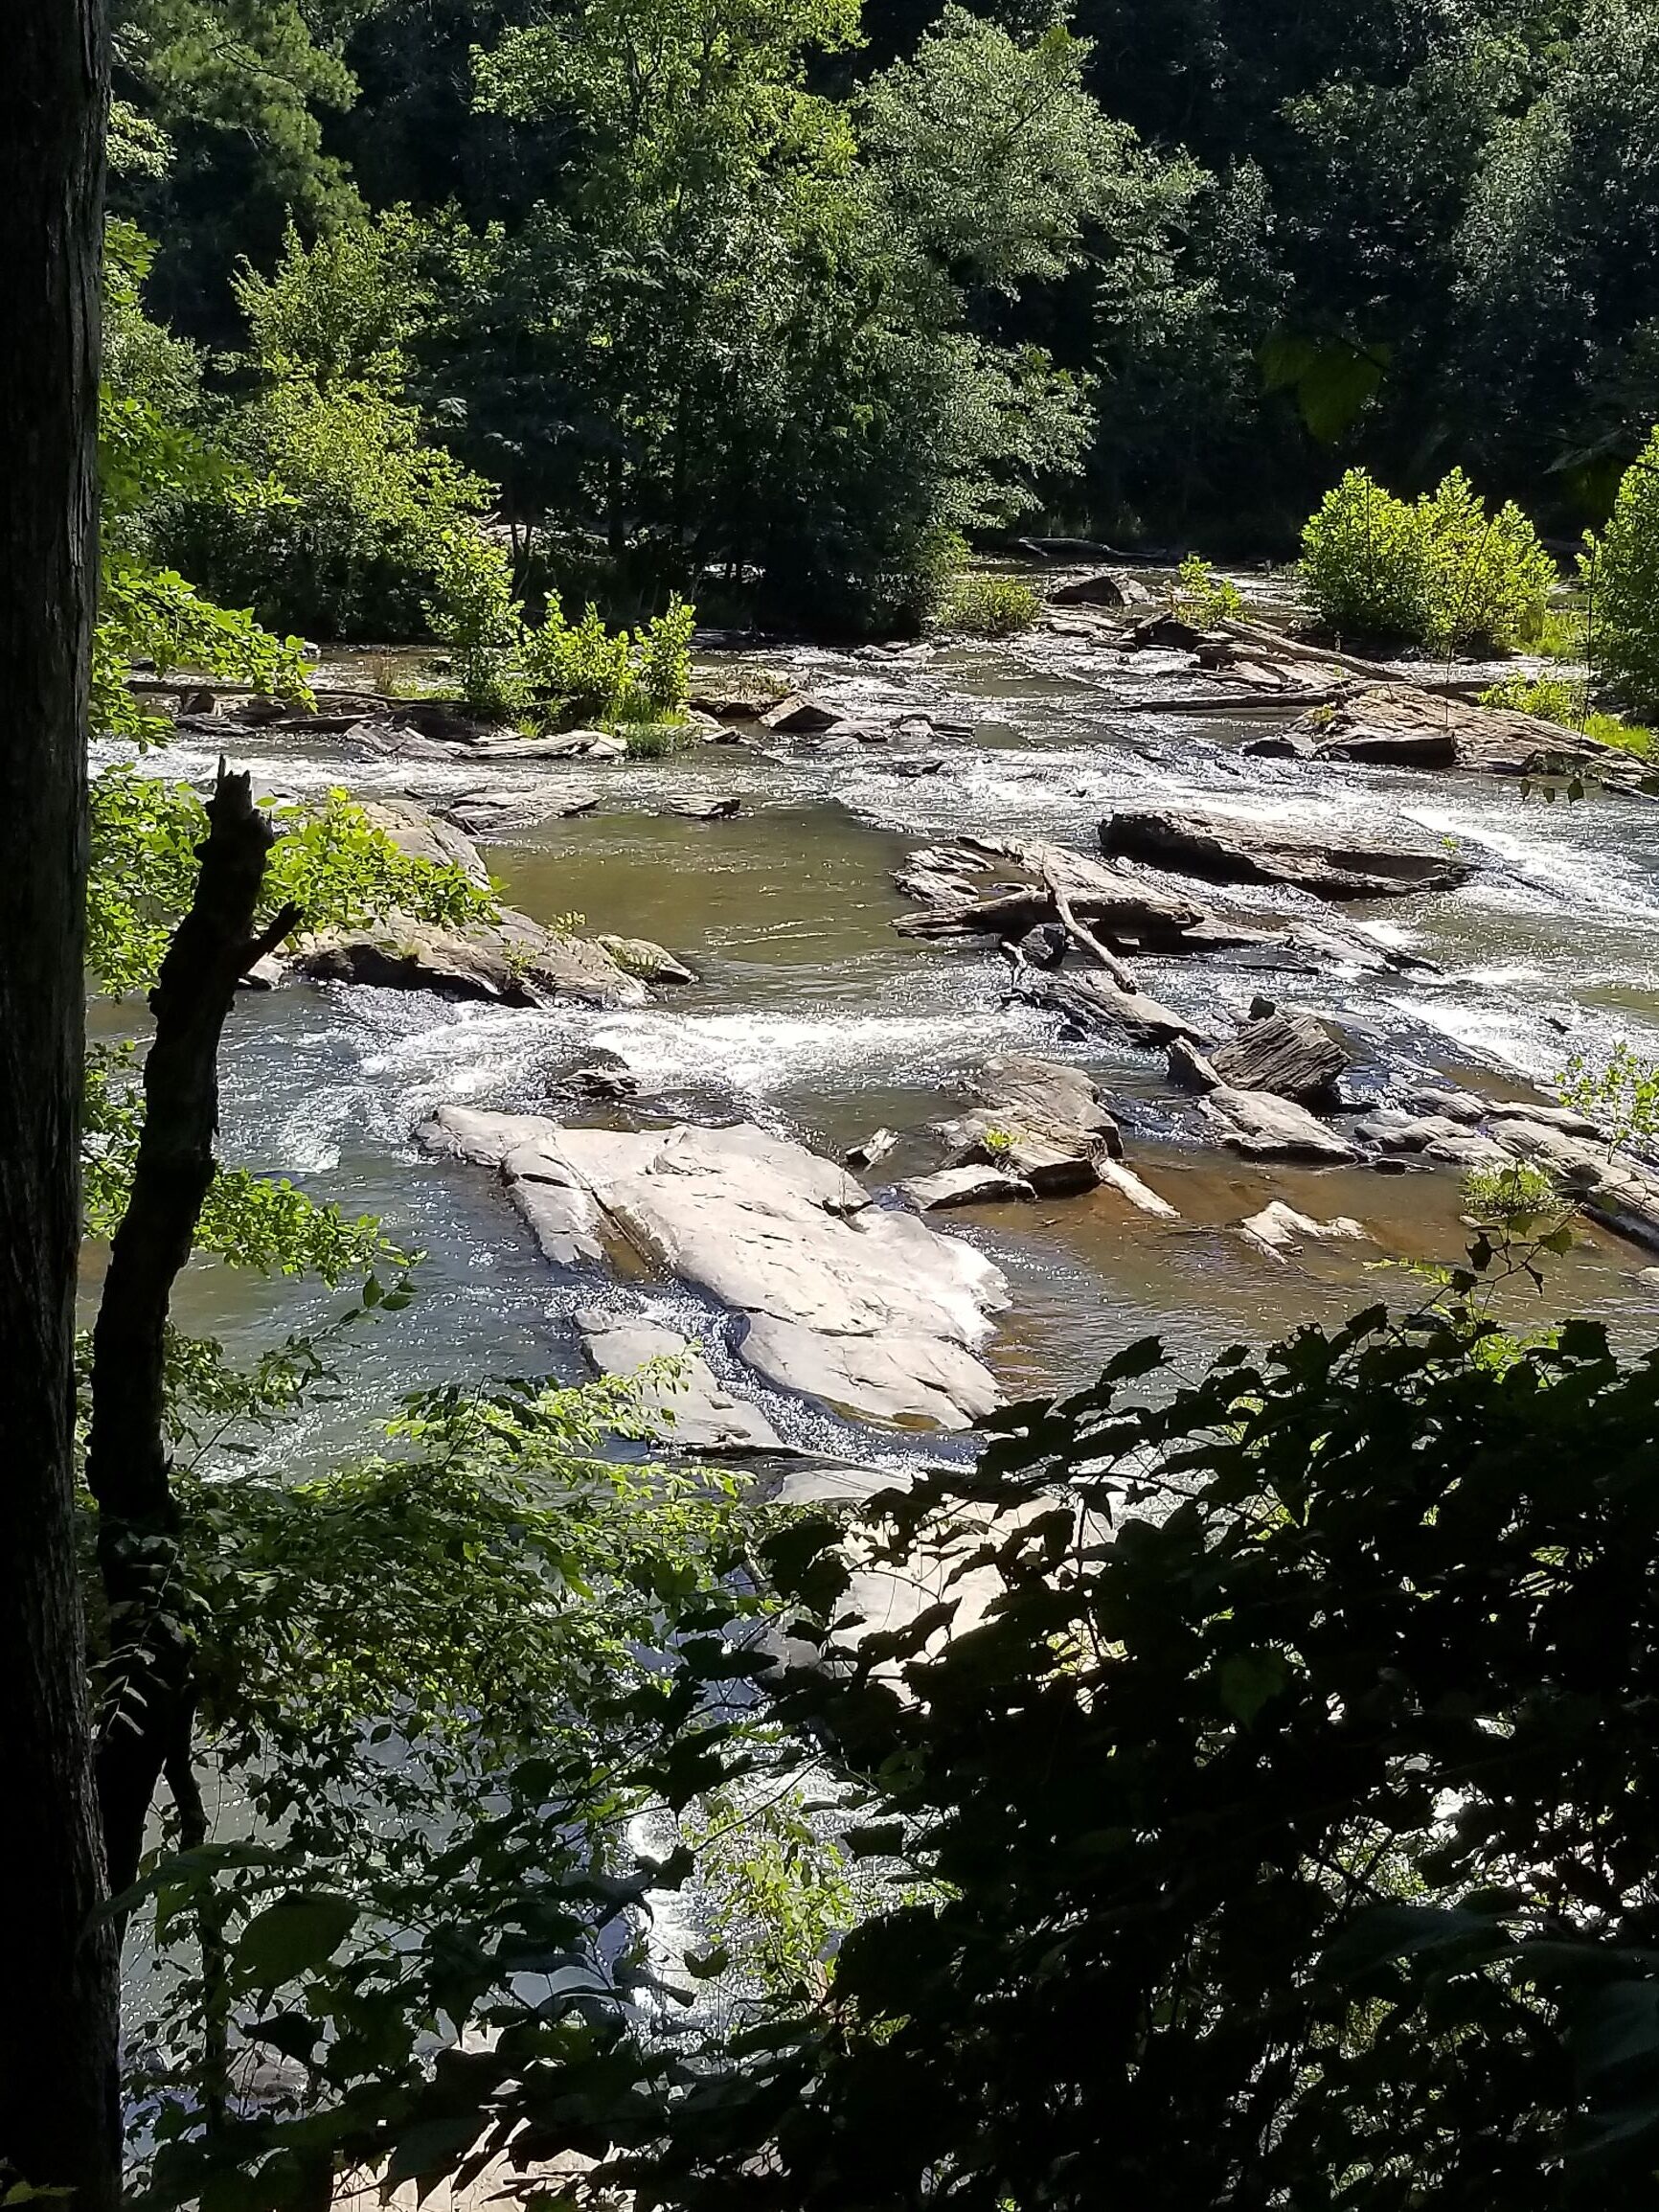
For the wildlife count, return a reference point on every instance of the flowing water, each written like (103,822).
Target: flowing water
(812,1015)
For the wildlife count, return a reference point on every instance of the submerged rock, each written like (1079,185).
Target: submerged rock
(871,1311)
(721,810)
(650,963)
(1278,1228)
(1221,850)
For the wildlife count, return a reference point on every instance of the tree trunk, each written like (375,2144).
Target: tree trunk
(148,1698)
(59,2114)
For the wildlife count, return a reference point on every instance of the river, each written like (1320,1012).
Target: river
(813,1017)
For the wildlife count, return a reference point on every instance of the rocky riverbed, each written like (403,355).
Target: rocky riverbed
(1043,995)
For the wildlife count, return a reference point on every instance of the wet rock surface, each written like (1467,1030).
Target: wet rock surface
(1221,850)
(869,1310)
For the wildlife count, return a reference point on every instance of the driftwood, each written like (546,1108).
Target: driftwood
(149,1703)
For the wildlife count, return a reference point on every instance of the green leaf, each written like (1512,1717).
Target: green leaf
(1248,1680)
(292,1936)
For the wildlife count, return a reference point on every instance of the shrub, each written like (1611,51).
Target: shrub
(1558,700)
(1440,572)
(501,665)
(1490,580)
(988,605)
(1362,562)
(1203,596)
(1621,569)
(474,613)
(663,675)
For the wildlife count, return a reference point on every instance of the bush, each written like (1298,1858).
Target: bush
(1291,1801)
(1621,571)
(1363,561)
(1490,580)
(988,605)
(1202,596)
(1440,572)
(473,612)
(501,665)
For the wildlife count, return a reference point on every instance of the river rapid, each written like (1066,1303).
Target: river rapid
(814,1018)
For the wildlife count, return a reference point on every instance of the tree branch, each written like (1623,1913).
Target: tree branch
(148,1684)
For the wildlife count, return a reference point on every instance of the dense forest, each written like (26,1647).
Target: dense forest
(564,1640)
(799,292)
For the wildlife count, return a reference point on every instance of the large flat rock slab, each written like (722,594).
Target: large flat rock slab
(1398,725)
(872,1311)
(1220,849)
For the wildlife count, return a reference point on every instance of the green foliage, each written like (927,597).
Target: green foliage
(1363,563)
(1440,572)
(442,1781)
(366,503)
(473,612)
(988,605)
(1621,572)
(1490,579)
(1558,700)
(1202,596)
(1620,1093)
(584,670)
(1293,1800)
(329,861)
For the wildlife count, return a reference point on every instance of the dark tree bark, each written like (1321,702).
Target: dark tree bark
(149,1701)
(59,2123)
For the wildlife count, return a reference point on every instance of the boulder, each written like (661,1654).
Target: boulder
(1106,587)
(1189,1067)
(650,963)
(871,1311)
(795,715)
(1268,1127)
(514,961)
(969,1185)
(1038,1119)
(1289,1053)
(687,1403)
(1220,850)
(422,836)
